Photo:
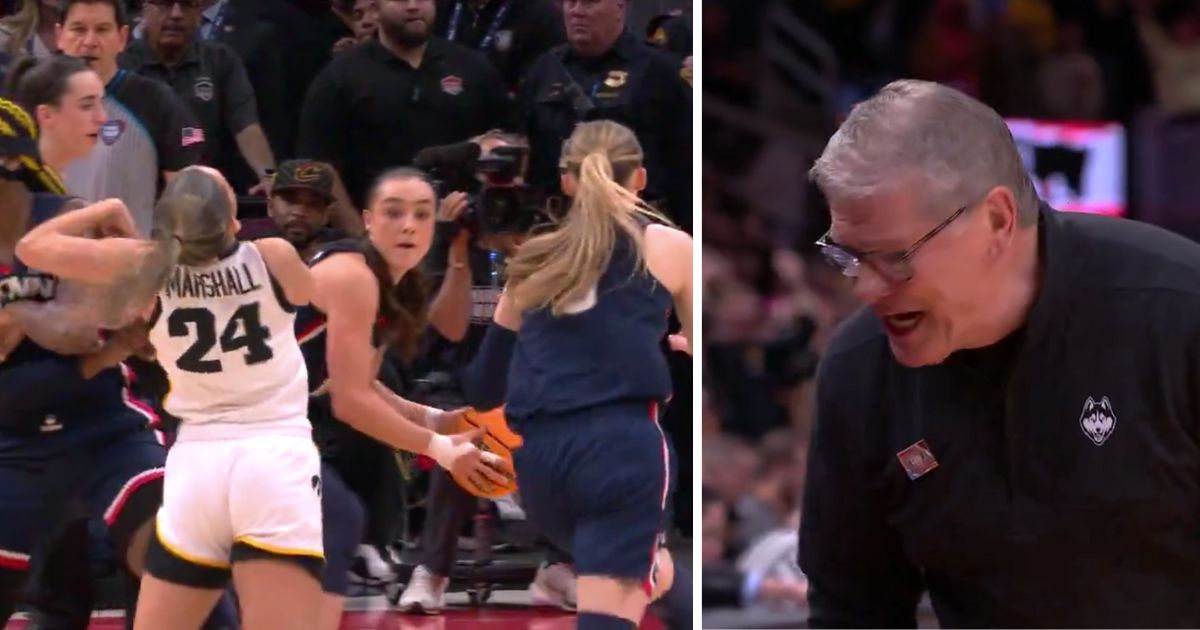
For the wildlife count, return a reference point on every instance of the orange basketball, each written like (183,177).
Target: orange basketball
(498,439)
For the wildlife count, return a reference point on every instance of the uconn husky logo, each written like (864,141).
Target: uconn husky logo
(1098,420)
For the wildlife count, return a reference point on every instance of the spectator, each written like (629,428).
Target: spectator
(1070,80)
(1174,54)
(298,208)
(361,17)
(378,104)
(209,77)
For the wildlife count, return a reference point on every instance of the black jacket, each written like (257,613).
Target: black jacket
(1067,486)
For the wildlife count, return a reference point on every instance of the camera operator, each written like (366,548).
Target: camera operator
(466,265)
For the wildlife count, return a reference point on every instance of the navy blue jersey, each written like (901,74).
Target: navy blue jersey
(43,392)
(605,354)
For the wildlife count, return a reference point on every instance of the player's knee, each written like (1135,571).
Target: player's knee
(619,597)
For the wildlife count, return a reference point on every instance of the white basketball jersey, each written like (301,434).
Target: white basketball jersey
(224,334)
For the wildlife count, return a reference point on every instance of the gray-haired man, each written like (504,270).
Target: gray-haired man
(1012,422)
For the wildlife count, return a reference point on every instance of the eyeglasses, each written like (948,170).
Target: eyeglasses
(894,267)
(170,4)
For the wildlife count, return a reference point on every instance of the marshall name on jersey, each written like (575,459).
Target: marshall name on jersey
(224,335)
(223,282)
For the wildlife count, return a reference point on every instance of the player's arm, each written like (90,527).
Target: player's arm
(669,258)
(286,266)
(430,417)
(62,247)
(485,380)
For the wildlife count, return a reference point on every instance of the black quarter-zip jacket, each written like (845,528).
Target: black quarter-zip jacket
(1044,509)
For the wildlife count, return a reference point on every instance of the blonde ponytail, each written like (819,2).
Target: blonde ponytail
(562,267)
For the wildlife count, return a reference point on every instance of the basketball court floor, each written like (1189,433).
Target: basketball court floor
(507,610)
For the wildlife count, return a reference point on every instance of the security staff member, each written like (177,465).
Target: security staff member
(209,77)
(512,34)
(378,104)
(1012,422)
(605,72)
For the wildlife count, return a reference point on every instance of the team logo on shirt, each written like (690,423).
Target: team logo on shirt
(1098,420)
(917,459)
(203,89)
(111,131)
(452,85)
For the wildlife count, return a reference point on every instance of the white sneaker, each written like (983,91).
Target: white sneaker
(554,585)
(377,569)
(425,593)
(509,509)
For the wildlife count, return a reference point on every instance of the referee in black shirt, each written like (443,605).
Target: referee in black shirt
(1013,422)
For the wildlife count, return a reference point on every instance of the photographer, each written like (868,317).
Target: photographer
(466,267)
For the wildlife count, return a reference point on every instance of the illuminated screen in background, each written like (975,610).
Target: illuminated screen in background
(1075,166)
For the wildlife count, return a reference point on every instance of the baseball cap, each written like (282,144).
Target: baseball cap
(304,175)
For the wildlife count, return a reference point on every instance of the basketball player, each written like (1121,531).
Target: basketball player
(69,429)
(580,323)
(368,297)
(243,493)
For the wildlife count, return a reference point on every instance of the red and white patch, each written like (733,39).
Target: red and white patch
(452,85)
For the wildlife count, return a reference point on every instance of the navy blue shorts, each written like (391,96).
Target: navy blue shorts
(117,476)
(596,482)
(342,523)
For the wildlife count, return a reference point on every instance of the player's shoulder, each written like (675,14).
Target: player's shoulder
(341,262)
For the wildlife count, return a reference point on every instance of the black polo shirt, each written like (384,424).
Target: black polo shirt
(1052,480)
(369,110)
(211,79)
(512,34)
(633,84)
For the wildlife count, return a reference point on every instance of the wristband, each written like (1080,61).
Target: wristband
(441,450)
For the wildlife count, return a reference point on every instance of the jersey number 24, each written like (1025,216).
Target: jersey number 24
(253,337)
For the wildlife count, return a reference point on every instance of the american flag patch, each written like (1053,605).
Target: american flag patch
(192,135)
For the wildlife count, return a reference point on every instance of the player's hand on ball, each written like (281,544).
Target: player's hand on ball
(477,466)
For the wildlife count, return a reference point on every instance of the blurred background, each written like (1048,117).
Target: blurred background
(1103,98)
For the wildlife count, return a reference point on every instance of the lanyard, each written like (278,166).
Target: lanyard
(214,26)
(492,30)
